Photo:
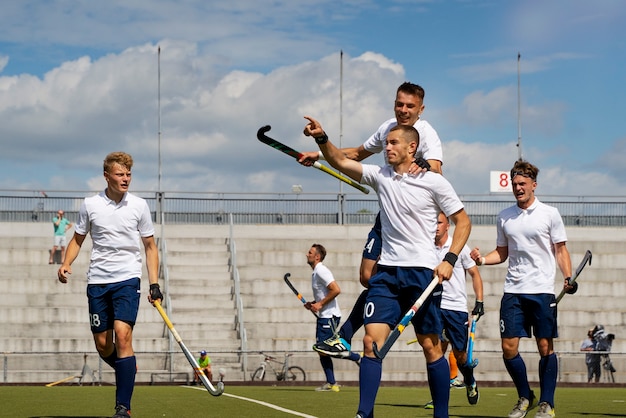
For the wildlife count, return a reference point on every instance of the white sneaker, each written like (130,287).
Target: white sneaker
(327,387)
(544,411)
(521,408)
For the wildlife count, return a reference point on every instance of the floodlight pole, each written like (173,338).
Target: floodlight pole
(340,108)
(519,119)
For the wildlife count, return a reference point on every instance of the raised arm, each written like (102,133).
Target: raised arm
(335,157)
(354,153)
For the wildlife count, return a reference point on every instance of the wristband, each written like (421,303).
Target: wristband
(320,156)
(321,139)
(482,261)
(451,258)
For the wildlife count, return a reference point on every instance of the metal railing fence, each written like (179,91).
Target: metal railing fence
(294,208)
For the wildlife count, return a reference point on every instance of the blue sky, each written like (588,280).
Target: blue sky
(79,79)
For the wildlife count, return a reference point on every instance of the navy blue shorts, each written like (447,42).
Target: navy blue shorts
(392,292)
(326,328)
(374,244)
(521,312)
(108,302)
(455,329)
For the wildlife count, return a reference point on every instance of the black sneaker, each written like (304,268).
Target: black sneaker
(334,347)
(472,394)
(121,412)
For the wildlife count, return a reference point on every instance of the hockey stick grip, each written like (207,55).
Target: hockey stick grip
(586,259)
(471,361)
(345,179)
(295,291)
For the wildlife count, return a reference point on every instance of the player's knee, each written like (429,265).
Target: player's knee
(368,345)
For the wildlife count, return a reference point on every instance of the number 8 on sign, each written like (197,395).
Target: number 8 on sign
(500,182)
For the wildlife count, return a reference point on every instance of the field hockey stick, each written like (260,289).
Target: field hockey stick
(297,155)
(65,379)
(190,358)
(579,269)
(471,361)
(395,334)
(295,291)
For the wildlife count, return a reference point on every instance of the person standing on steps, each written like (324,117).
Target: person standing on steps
(61,225)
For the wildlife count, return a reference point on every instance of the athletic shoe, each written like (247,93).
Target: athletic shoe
(334,347)
(457,383)
(472,394)
(544,411)
(429,405)
(327,387)
(121,412)
(523,405)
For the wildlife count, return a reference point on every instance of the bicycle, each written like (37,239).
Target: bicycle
(283,373)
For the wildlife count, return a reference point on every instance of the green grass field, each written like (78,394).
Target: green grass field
(285,401)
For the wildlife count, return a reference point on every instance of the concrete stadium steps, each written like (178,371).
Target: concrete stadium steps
(216,286)
(198,257)
(77,345)
(297,258)
(203,308)
(301,273)
(275,265)
(191,272)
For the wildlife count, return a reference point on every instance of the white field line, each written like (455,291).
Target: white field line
(266,404)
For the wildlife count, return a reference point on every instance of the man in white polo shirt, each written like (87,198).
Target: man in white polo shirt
(454,305)
(117,220)
(532,236)
(409,204)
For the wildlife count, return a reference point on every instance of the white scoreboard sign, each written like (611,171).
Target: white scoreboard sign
(500,182)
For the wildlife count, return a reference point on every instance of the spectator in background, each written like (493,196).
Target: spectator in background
(204,361)
(591,359)
(61,225)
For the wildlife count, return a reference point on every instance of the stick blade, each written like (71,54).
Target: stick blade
(391,339)
(260,134)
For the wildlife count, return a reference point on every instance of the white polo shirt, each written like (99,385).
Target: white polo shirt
(116,231)
(409,205)
(429,146)
(530,235)
(320,279)
(454,296)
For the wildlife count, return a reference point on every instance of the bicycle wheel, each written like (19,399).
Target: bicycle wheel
(259,374)
(295,373)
